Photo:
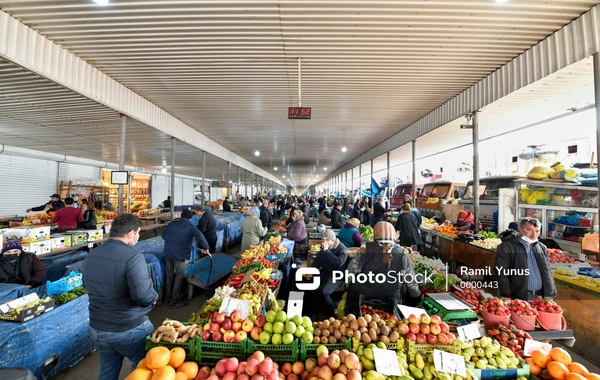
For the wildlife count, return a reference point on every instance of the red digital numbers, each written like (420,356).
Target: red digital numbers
(299,112)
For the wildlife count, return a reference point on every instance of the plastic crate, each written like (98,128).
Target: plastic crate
(412,348)
(65,284)
(279,352)
(189,346)
(524,370)
(209,352)
(310,350)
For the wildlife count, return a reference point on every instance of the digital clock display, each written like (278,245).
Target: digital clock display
(299,113)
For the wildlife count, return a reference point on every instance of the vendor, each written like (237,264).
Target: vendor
(167,204)
(20,267)
(89,217)
(349,235)
(54,205)
(226,205)
(522,266)
(332,257)
(465,221)
(252,229)
(68,217)
(383,256)
(513,228)
(296,231)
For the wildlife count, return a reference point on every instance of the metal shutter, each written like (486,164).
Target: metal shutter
(188,192)
(76,173)
(160,189)
(31,180)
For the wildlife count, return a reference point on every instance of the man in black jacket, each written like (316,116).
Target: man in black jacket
(265,214)
(208,226)
(379,211)
(54,205)
(337,221)
(302,206)
(121,294)
(522,266)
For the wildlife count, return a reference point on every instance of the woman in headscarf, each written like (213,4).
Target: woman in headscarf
(20,267)
(383,256)
(297,232)
(406,225)
(252,229)
(349,234)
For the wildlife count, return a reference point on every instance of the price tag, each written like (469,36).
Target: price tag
(450,363)
(295,303)
(386,362)
(469,332)
(407,310)
(531,345)
(230,304)
(247,276)
(487,295)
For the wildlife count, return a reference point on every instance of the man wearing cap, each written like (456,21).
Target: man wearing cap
(19,267)
(332,257)
(54,205)
(179,237)
(208,226)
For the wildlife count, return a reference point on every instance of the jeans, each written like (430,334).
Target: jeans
(112,347)
(174,268)
(328,288)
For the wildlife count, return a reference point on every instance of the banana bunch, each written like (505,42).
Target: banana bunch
(255,251)
(26,222)
(274,239)
(432,200)
(487,353)
(422,368)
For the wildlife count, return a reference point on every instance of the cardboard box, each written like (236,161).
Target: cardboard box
(77,237)
(25,314)
(94,235)
(28,234)
(60,242)
(38,247)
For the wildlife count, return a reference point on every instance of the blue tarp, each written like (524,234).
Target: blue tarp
(231,224)
(56,265)
(59,335)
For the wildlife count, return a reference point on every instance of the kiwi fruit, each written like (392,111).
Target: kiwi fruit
(373,335)
(332,340)
(368,318)
(317,340)
(325,333)
(384,339)
(324,340)
(385,331)
(362,322)
(343,339)
(343,329)
(365,338)
(317,332)
(394,336)
(315,324)
(354,325)
(336,324)
(325,325)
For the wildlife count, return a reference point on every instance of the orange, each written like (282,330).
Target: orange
(592,376)
(165,373)
(158,357)
(577,368)
(180,376)
(575,376)
(190,369)
(557,370)
(534,369)
(560,355)
(142,363)
(540,358)
(177,357)
(140,374)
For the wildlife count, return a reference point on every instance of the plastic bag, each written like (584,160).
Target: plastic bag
(570,175)
(341,308)
(540,172)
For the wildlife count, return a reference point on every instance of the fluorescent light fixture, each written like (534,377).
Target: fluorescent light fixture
(257,153)
(501,1)
(102,2)
(344,149)
(325,169)
(164,169)
(284,176)
(275,168)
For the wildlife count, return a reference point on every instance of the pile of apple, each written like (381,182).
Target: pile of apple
(541,305)
(496,306)
(426,329)
(522,308)
(228,329)
(337,365)
(280,329)
(257,367)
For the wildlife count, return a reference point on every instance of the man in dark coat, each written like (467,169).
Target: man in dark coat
(208,226)
(19,267)
(337,221)
(302,206)
(522,266)
(54,205)
(406,225)
(265,214)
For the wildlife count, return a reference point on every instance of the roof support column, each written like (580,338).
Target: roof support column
(122,160)
(229,180)
(597,98)
(237,192)
(388,177)
(371,188)
(476,169)
(414,174)
(173,178)
(203,177)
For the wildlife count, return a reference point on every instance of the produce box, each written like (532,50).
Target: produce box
(504,374)
(38,247)
(32,307)
(279,352)
(28,234)
(189,346)
(310,350)
(77,237)
(65,284)
(60,242)
(209,352)
(94,235)
(413,348)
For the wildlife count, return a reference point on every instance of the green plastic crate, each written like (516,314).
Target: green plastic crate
(310,350)
(189,346)
(209,352)
(279,353)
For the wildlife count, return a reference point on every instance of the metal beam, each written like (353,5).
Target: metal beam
(203,177)
(597,98)
(173,198)
(414,174)
(122,160)
(476,169)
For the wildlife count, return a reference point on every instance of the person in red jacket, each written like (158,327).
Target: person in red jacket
(466,221)
(68,217)
(19,267)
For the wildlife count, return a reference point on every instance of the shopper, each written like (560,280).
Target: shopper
(349,235)
(208,226)
(226,205)
(379,211)
(265,214)
(302,206)
(383,256)
(324,218)
(466,221)
(356,212)
(120,296)
(522,266)
(345,204)
(243,202)
(89,217)
(20,267)
(68,217)
(252,229)
(297,232)
(337,221)
(513,228)
(365,215)
(54,205)
(179,238)
(415,212)
(332,257)
(406,225)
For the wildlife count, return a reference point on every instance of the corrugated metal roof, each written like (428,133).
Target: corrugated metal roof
(229,68)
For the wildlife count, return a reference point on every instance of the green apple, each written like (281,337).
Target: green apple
(306,322)
(299,331)
(288,338)
(290,327)
(280,316)
(268,327)
(265,337)
(270,316)
(297,319)
(308,337)
(276,339)
(310,329)
(278,327)
(252,317)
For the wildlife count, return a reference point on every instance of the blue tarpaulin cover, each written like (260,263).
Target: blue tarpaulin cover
(56,265)
(231,224)
(59,335)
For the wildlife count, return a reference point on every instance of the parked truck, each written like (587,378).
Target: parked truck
(397,197)
(435,194)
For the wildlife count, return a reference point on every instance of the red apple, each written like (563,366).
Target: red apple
(217,336)
(292,376)
(240,336)
(403,329)
(421,338)
(247,325)
(213,377)
(436,319)
(322,360)
(411,336)
(230,376)
(259,355)
(255,333)
(261,320)
(258,376)
(236,316)
(352,361)
(203,373)
(435,329)
(205,335)
(241,369)
(414,328)
(425,329)
(229,336)
(443,338)
(266,367)
(305,375)
(343,369)
(298,368)
(227,324)
(221,317)
(432,339)
(413,319)
(339,376)
(232,364)
(237,326)
(221,367)
(214,327)
(243,376)
(333,361)
(426,319)
(311,363)
(354,375)
(451,338)
(252,366)
(444,328)
(325,373)
(286,368)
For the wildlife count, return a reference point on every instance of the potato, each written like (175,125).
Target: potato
(343,329)
(325,324)
(331,329)
(336,324)
(363,330)
(324,340)
(365,338)
(337,334)
(343,339)
(384,339)
(325,333)
(373,335)
(316,340)
(362,322)
(384,331)
(350,317)
(331,319)
(357,335)
(373,325)
(332,340)
(376,318)
(350,333)
(394,336)
(368,318)
(354,325)
(317,332)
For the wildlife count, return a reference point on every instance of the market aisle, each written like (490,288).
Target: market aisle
(89,366)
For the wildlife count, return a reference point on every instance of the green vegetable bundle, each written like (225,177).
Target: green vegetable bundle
(439,281)
(70,296)
(366,232)
(257,266)
(487,234)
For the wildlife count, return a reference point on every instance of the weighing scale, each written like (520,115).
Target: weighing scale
(449,307)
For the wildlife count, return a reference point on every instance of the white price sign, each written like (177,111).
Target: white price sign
(407,310)
(469,332)
(450,363)
(230,304)
(531,345)
(386,362)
